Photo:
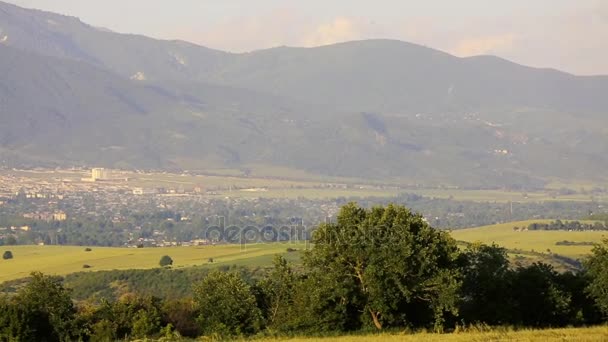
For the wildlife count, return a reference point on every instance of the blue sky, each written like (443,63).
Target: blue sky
(570,35)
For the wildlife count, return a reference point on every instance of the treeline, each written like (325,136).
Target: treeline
(372,269)
(569,226)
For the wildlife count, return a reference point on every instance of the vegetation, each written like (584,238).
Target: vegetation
(569,226)
(7,255)
(165,261)
(63,260)
(376,269)
(518,241)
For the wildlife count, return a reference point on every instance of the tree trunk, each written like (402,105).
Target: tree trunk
(375,319)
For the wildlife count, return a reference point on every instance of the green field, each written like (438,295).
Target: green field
(61,260)
(570,334)
(532,241)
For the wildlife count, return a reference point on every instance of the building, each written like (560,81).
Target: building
(142,191)
(60,216)
(98,174)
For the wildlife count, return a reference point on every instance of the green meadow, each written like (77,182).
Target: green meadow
(61,260)
(541,241)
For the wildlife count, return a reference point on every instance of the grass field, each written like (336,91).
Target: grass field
(61,260)
(570,334)
(537,241)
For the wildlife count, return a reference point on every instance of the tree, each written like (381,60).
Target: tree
(277,292)
(597,269)
(539,298)
(166,261)
(226,305)
(486,273)
(46,297)
(383,266)
(7,255)
(181,314)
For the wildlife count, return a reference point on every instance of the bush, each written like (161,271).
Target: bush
(87,249)
(226,305)
(166,261)
(210,260)
(7,255)
(86,266)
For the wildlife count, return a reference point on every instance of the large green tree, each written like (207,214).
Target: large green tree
(384,266)
(486,278)
(597,269)
(45,296)
(226,305)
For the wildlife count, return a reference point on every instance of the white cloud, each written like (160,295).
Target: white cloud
(484,45)
(341,29)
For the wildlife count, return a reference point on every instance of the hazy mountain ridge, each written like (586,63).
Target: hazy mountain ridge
(381,108)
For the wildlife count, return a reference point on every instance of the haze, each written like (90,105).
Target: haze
(562,34)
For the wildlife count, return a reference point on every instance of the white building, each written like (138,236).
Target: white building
(99,174)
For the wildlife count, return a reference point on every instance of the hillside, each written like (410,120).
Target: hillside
(74,94)
(564,250)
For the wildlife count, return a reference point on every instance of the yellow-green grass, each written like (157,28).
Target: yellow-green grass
(538,241)
(61,260)
(566,334)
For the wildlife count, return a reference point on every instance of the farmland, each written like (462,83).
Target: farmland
(61,260)
(532,241)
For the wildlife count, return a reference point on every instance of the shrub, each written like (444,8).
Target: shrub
(87,249)
(7,255)
(166,261)
(86,266)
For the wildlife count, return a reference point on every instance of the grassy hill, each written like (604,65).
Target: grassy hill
(532,241)
(525,247)
(62,260)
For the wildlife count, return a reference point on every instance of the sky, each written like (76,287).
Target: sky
(570,35)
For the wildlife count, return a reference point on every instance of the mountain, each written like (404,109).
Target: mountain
(72,94)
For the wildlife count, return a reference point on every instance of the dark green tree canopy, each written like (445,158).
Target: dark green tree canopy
(165,261)
(383,262)
(597,269)
(226,305)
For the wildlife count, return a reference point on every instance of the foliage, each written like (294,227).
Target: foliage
(597,269)
(568,225)
(486,281)
(276,296)
(380,265)
(165,260)
(7,255)
(42,310)
(226,305)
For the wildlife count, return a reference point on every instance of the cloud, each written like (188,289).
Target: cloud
(341,29)
(484,45)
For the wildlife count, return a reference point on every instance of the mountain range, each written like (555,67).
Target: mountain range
(73,94)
